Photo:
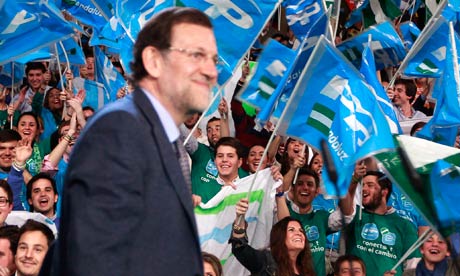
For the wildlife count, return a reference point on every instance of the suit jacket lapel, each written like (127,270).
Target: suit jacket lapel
(170,162)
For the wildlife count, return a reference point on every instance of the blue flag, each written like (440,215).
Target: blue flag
(445,189)
(272,65)
(386,44)
(96,94)
(237,25)
(332,102)
(73,52)
(105,7)
(427,57)
(19,72)
(409,32)
(107,74)
(277,102)
(444,125)
(301,15)
(28,26)
(369,72)
(85,11)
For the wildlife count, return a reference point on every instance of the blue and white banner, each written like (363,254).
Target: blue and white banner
(386,44)
(85,11)
(105,7)
(107,74)
(301,15)
(73,52)
(332,102)
(369,72)
(277,102)
(214,219)
(272,65)
(237,25)
(444,126)
(18,75)
(29,25)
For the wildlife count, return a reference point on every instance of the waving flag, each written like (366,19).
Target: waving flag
(215,218)
(410,32)
(386,44)
(444,125)
(277,102)
(236,23)
(15,70)
(73,52)
(445,189)
(29,25)
(423,155)
(301,15)
(369,72)
(105,7)
(373,12)
(107,74)
(85,11)
(273,62)
(332,102)
(428,54)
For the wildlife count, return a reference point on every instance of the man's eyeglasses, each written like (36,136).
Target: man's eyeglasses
(3,201)
(198,56)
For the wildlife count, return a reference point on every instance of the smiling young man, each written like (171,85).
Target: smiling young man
(229,157)
(381,237)
(34,241)
(317,224)
(404,93)
(42,196)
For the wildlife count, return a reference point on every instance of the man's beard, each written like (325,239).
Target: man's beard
(375,203)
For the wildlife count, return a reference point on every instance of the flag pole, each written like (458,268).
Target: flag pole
(425,236)
(12,93)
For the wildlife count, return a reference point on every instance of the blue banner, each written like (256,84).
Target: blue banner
(332,102)
(237,25)
(272,65)
(409,32)
(28,26)
(369,72)
(387,46)
(85,11)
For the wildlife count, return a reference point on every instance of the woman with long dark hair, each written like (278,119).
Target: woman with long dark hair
(289,252)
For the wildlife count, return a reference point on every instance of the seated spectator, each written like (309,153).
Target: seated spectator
(211,264)
(9,235)
(34,240)
(42,196)
(289,252)
(349,265)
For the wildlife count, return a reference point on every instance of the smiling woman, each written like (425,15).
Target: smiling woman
(289,252)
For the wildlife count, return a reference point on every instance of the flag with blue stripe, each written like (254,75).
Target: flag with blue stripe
(107,74)
(386,44)
(301,15)
(332,102)
(369,72)
(28,26)
(277,102)
(96,94)
(272,65)
(444,125)
(237,25)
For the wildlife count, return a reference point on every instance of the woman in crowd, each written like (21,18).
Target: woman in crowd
(211,265)
(289,253)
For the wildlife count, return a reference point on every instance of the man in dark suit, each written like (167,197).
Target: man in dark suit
(126,207)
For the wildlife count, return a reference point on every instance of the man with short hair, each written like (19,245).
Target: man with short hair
(349,265)
(42,196)
(380,237)
(36,86)
(9,235)
(126,207)
(228,159)
(34,240)
(404,93)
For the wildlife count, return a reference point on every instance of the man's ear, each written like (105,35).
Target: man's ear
(153,61)
(240,162)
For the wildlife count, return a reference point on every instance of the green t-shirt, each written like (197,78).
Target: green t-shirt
(204,173)
(316,229)
(380,240)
